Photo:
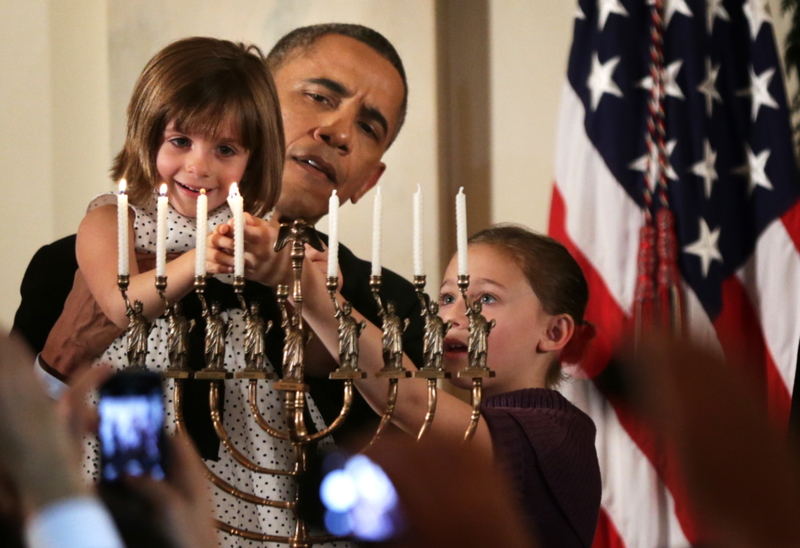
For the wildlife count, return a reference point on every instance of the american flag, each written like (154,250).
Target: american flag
(731,180)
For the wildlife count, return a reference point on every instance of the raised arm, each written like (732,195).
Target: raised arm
(95,249)
(452,415)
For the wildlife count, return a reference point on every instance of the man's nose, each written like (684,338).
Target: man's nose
(336,130)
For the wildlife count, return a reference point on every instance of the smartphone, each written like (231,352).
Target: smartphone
(131,432)
(359,499)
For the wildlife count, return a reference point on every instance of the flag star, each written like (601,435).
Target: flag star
(670,75)
(640,164)
(606,8)
(759,91)
(600,80)
(714,9)
(709,86)
(705,247)
(671,7)
(755,169)
(579,13)
(757,13)
(705,167)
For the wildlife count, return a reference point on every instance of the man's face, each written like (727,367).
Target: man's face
(340,102)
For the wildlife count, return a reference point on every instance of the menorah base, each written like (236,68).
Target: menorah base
(432,374)
(476,373)
(392,374)
(253,374)
(213,375)
(290,386)
(177,374)
(348,374)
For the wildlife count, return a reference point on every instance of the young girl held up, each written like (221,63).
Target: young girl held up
(204,115)
(535,293)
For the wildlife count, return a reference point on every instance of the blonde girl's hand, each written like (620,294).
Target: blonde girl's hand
(219,250)
(319,260)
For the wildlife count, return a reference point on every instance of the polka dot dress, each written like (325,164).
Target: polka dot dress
(239,423)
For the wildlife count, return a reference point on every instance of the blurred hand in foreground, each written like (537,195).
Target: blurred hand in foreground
(736,465)
(451,495)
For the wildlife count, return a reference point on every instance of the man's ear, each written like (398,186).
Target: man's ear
(369,183)
(560,329)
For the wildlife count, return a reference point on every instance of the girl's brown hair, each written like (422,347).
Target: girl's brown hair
(553,274)
(204,84)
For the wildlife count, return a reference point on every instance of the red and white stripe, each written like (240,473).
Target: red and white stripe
(644,505)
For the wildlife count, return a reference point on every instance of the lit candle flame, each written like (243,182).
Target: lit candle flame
(203,191)
(163,190)
(234,191)
(123,184)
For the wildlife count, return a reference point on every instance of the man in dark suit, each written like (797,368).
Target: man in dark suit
(343,94)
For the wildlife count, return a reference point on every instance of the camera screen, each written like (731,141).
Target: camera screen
(131,427)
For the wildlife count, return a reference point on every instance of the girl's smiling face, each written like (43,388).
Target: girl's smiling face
(506,296)
(188,162)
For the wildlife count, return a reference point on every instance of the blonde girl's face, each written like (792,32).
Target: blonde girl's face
(506,296)
(190,162)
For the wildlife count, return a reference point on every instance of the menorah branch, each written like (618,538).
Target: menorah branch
(432,398)
(477,384)
(386,417)
(180,426)
(338,421)
(260,420)
(216,418)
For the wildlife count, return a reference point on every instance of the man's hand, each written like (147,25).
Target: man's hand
(182,500)
(261,263)
(36,446)
(73,409)
(441,509)
(735,464)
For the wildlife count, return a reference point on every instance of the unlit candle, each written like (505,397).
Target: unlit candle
(333,236)
(461,235)
(419,269)
(376,233)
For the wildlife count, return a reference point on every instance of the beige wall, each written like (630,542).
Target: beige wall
(67,70)
(25,141)
(54,117)
(530,43)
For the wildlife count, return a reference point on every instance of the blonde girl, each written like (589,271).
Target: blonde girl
(536,294)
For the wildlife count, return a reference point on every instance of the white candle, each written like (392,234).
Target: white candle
(237,208)
(333,236)
(461,235)
(161,232)
(200,235)
(376,234)
(419,269)
(122,230)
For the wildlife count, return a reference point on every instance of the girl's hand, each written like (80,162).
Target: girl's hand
(261,263)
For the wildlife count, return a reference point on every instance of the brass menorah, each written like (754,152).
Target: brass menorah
(299,234)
